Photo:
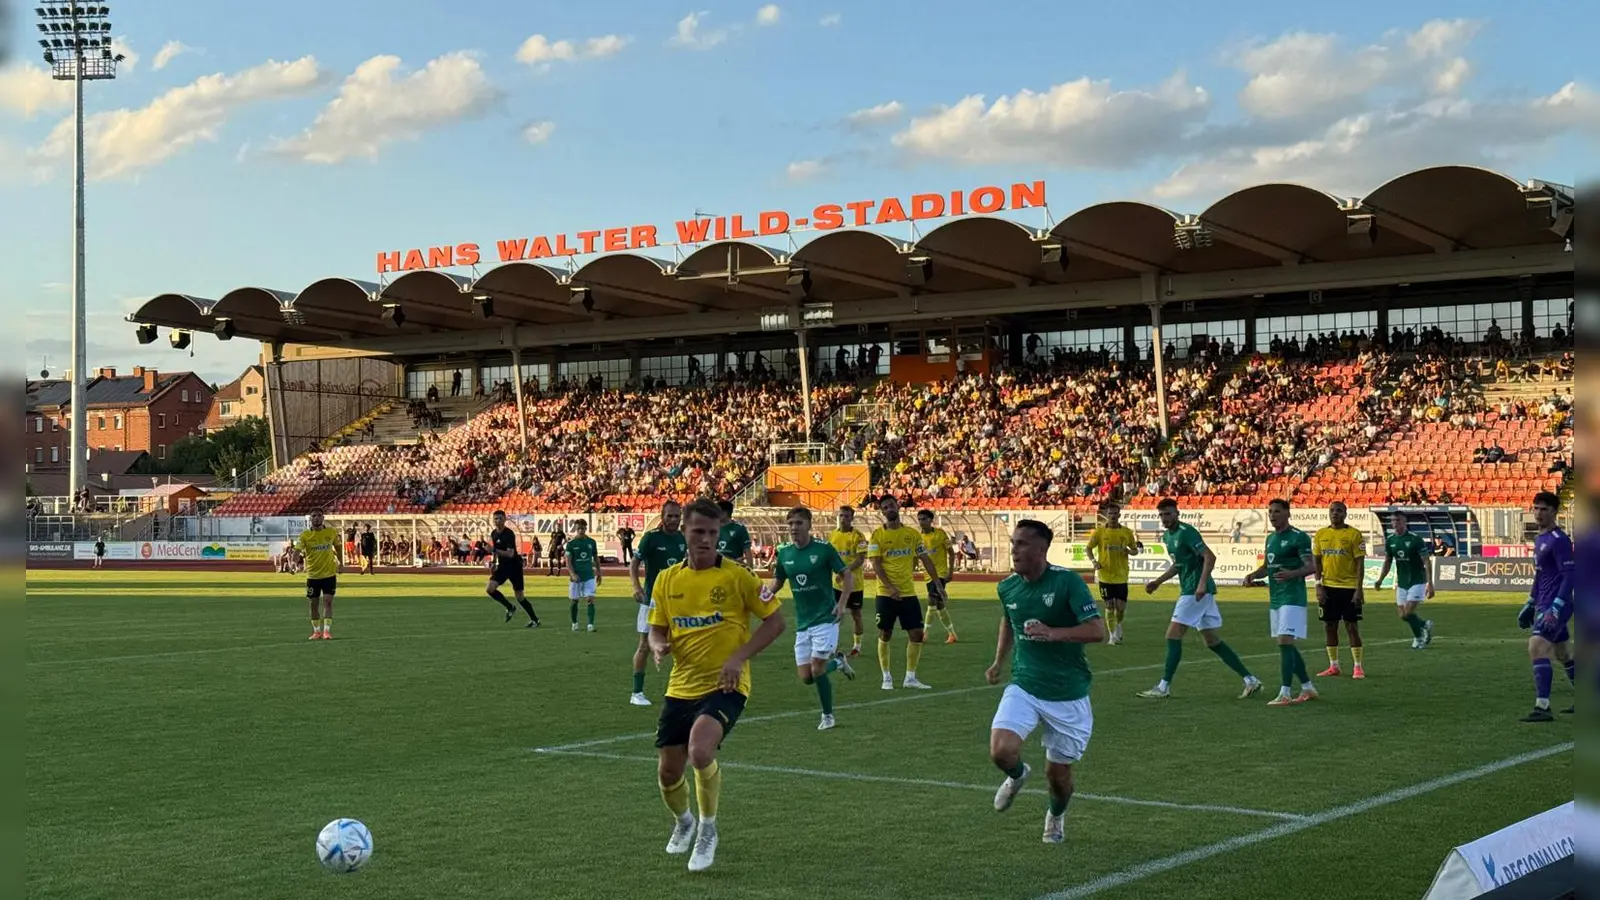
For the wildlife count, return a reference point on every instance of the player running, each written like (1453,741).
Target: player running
(1340,551)
(1047,616)
(808,566)
(852,548)
(662,548)
(1413,578)
(507,557)
(895,550)
(701,616)
(943,554)
(733,539)
(1110,546)
(1288,564)
(1192,563)
(583,570)
(1549,607)
(319,545)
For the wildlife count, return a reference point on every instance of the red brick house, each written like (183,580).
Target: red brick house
(148,410)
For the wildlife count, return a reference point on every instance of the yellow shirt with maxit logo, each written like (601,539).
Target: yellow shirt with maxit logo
(898,548)
(852,545)
(707,614)
(1342,551)
(937,543)
(318,548)
(1114,546)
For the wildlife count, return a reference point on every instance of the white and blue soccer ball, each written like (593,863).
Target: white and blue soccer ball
(344,845)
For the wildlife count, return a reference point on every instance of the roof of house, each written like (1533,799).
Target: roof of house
(121,391)
(234,390)
(55,483)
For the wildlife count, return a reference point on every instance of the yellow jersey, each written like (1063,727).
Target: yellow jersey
(707,614)
(852,545)
(320,550)
(1114,546)
(937,543)
(1342,551)
(899,548)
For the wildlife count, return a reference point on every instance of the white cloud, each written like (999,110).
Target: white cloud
(122,141)
(830,20)
(874,116)
(377,106)
(690,37)
(540,52)
(169,51)
(804,169)
(1079,123)
(538,132)
(768,15)
(130,58)
(28,90)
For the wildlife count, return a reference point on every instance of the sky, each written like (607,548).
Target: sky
(271,144)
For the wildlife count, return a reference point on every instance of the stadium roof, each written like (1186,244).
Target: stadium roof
(1437,224)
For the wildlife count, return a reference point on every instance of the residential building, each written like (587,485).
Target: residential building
(148,411)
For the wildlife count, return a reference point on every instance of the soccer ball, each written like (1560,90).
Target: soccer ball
(344,845)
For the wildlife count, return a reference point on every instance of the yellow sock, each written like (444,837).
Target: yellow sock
(883,656)
(1355,652)
(913,656)
(944,619)
(327,624)
(858,640)
(1111,618)
(677,796)
(707,786)
(316,624)
(1333,655)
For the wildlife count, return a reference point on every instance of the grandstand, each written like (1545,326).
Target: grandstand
(1283,342)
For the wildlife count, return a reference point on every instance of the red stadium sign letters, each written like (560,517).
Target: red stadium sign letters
(827,217)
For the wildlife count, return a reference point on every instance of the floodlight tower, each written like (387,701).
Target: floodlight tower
(76,38)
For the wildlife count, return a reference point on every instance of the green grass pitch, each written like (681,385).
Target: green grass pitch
(185,740)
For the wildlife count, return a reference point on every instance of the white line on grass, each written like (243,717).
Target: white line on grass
(928,782)
(1179,860)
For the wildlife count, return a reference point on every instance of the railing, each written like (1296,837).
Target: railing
(799,454)
(248,478)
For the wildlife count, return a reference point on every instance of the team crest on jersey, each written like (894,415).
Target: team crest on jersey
(813,559)
(800,580)
(719,596)
(1049,599)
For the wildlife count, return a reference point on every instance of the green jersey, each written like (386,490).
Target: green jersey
(1187,550)
(1049,670)
(581,556)
(733,541)
(809,571)
(660,549)
(1287,551)
(1410,555)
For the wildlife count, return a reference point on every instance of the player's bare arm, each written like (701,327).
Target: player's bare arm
(635,566)
(1090,632)
(1168,575)
(847,586)
(1304,571)
(1254,578)
(1361,563)
(660,643)
(1208,562)
(883,578)
(1002,652)
(771,627)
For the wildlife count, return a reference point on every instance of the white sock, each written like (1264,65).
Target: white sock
(1542,703)
(1283,691)
(1162,685)
(1307,686)
(911,675)
(708,820)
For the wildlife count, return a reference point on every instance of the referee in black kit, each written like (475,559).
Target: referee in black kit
(508,569)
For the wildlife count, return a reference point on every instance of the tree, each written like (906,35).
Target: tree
(239,446)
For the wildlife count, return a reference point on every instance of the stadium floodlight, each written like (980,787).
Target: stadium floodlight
(179,340)
(1361,230)
(1052,253)
(583,297)
(77,59)
(918,270)
(394,315)
(483,305)
(223,329)
(146,334)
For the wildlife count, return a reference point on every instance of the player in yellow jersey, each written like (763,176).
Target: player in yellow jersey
(895,550)
(320,545)
(937,542)
(852,547)
(701,617)
(1110,546)
(1340,552)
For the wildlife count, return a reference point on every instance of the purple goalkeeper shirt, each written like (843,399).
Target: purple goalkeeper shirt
(1552,569)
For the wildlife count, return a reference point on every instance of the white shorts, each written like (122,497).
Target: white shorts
(1288,620)
(1067,723)
(1198,612)
(644,617)
(579,590)
(1417,593)
(816,642)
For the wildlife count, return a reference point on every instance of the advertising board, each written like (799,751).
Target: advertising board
(1476,573)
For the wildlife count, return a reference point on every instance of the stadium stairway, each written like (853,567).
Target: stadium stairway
(394,427)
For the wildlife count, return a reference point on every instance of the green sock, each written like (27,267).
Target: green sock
(1300,666)
(833,665)
(1286,664)
(574,612)
(1174,653)
(1058,805)
(1015,773)
(1226,654)
(591,612)
(825,693)
(638,682)
(1415,621)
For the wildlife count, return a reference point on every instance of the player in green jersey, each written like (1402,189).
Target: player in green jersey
(1288,563)
(661,547)
(1192,562)
(808,566)
(583,570)
(1413,578)
(733,539)
(1047,614)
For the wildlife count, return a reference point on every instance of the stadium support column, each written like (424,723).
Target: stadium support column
(805,382)
(522,412)
(277,433)
(1155,352)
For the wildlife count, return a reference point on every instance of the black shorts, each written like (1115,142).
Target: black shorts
(856,600)
(508,573)
(1340,605)
(321,587)
(679,715)
(936,598)
(907,611)
(1110,592)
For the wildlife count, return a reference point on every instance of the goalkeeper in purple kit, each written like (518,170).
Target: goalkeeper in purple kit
(1549,607)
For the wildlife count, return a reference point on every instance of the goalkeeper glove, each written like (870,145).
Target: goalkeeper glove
(1525,617)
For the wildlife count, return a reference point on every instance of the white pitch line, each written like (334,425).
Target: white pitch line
(1179,860)
(956,785)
